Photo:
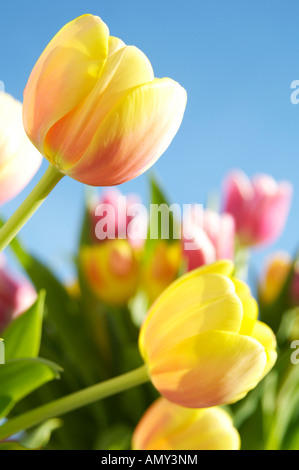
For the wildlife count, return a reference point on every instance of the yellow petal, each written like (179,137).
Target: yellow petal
(250,307)
(210,369)
(212,429)
(266,337)
(64,74)
(202,302)
(133,135)
(166,426)
(126,67)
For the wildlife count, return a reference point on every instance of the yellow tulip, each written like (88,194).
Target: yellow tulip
(94,109)
(161,268)
(277,270)
(111,270)
(202,342)
(166,426)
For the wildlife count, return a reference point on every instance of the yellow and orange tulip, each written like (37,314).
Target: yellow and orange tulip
(161,268)
(277,270)
(202,342)
(94,109)
(111,270)
(166,426)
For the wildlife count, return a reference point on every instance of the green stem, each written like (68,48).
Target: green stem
(37,196)
(73,401)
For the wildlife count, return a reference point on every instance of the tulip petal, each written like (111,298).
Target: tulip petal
(141,125)
(64,74)
(209,369)
(166,426)
(250,307)
(211,430)
(264,335)
(207,302)
(19,160)
(125,68)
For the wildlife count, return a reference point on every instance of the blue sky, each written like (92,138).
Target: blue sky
(236,61)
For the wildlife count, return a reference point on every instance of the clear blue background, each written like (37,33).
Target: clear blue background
(236,60)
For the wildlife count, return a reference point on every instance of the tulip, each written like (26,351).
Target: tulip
(166,426)
(161,268)
(110,216)
(212,241)
(19,160)
(16,296)
(202,342)
(277,270)
(111,270)
(94,109)
(260,207)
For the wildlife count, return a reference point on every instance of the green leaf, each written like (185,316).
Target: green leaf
(42,434)
(11,446)
(117,437)
(63,311)
(158,198)
(19,377)
(23,336)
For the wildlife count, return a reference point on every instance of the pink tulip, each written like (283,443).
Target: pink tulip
(16,296)
(260,207)
(19,160)
(211,240)
(111,218)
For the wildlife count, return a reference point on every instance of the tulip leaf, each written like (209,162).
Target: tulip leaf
(40,436)
(11,445)
(64,314)
(20,377)
(155,226)
(23,335)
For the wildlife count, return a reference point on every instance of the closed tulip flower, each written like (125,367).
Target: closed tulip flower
(16,296)
(94,109)
(19,160)
(166,426)
(277,270)
(110,218)
(111,270)
(259,206)
(161,268)
(202,342)
(212,241)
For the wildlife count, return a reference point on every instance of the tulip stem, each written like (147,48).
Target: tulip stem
(37,196)
(74,401)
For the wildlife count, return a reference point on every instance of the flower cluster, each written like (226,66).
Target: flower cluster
(146,310)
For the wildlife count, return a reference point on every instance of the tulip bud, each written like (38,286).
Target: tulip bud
(94,109)
(277,270)
(260,207)
(16,296)
(161,268)
(166,426)
(202,342)
(212,241)
(110,218)
(111,270)
(19,160)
